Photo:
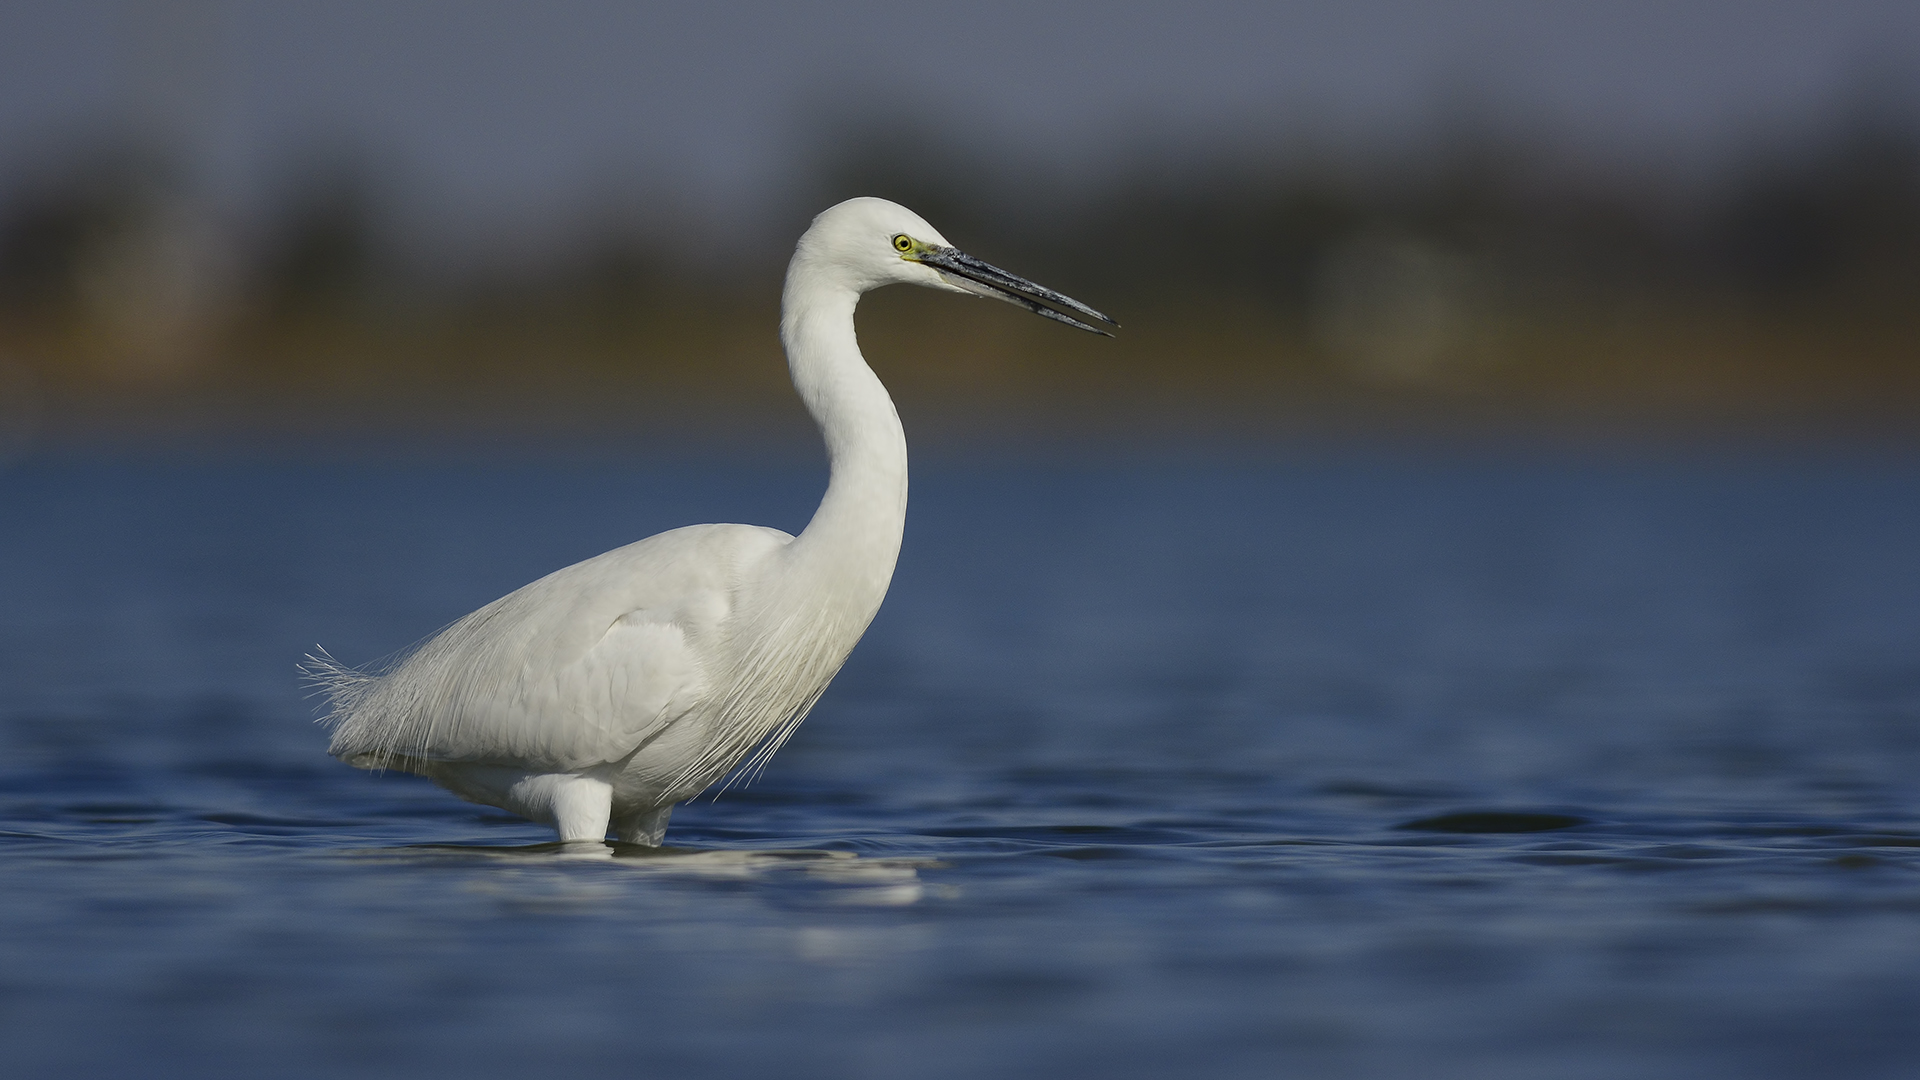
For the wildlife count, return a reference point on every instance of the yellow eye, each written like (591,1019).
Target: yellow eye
(903,243)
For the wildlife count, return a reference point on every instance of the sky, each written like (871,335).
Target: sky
(498,122)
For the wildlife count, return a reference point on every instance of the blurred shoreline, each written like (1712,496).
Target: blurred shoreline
(1476,290)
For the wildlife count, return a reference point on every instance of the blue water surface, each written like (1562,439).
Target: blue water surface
(1120,783)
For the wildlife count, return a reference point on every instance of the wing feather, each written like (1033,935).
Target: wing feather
(577,669)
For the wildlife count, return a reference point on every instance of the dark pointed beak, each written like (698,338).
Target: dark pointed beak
(984,279)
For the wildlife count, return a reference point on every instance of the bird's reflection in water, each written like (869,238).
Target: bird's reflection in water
(846,877)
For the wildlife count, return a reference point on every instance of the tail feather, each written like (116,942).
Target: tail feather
(343,687)
(345,690)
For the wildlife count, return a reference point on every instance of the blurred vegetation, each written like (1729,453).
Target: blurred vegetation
(1261,292)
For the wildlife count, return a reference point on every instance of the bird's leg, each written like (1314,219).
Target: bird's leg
(647,826)
(581,809)
(576,806)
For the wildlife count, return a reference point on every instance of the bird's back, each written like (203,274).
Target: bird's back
(569,672)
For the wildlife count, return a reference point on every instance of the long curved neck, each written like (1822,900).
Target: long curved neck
(854,537)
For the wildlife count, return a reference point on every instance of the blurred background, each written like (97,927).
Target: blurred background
(219,216)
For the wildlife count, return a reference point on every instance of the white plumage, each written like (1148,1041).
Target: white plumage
(604,693)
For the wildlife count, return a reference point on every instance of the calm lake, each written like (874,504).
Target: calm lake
(1345,763)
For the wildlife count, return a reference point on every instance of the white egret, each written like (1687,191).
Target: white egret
(602,694)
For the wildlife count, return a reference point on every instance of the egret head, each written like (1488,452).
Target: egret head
(872,242)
